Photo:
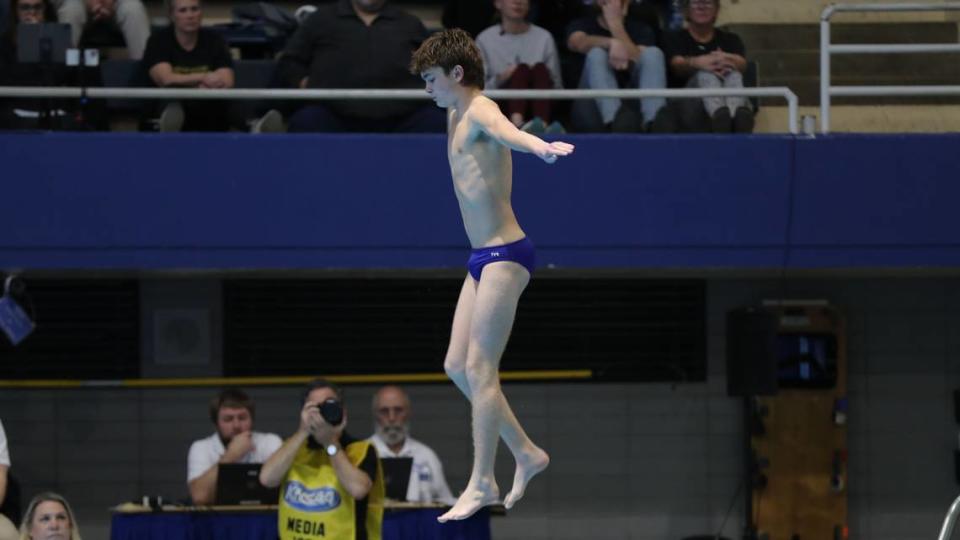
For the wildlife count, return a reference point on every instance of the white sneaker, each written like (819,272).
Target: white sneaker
(271,122)
(555,128)
(171,119)
(535,126)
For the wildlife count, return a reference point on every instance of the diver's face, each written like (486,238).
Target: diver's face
(441,86)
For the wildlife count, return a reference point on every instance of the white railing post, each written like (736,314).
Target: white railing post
(825,69)
(827,48)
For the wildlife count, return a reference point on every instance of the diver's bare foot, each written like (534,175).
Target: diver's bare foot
(529,465)
(471,500)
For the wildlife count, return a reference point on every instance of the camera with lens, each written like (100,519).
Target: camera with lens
(331,411)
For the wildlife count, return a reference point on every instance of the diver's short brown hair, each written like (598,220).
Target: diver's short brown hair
(450,48)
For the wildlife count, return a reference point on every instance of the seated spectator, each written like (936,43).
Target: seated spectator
(49,516)
(7,530)
(232,412)
(34,113)
(331,484)
(185,55)
(130,16)
(703,56)
(391,410)
(358,44)
(521,55)
(619,52)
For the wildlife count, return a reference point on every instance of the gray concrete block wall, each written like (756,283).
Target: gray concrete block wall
(630,461)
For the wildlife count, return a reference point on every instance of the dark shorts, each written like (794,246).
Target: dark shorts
(520,252)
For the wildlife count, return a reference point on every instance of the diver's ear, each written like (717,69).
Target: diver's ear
(457,73)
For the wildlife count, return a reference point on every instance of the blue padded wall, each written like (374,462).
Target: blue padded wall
(194,201)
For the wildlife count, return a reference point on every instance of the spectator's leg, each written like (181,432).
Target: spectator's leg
(520,80)
(721,117)
(706,79)
(315,118)
(691,112)
(650,72)
(740,107)
(74,13)
(540,80)
(597,74)
(426,119)
(132,19)
(735,80)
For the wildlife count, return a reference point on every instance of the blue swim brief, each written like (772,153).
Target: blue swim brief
(520,252)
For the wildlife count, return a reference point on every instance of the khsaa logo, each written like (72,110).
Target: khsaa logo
(311,500)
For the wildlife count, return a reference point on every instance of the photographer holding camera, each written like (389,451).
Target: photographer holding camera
(331,484)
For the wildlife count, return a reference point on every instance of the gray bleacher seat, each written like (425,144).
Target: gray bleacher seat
(254,74)
(122,73)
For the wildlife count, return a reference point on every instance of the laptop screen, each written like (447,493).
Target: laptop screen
(239,483)
(396,476)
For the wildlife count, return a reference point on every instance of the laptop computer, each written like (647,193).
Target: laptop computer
(45,42)
(396,476)
(239,483)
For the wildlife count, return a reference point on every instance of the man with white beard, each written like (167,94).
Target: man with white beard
(391,409)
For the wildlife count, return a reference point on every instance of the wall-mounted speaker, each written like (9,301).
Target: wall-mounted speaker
(751,352)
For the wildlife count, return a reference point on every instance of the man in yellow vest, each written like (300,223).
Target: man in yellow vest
(331,484)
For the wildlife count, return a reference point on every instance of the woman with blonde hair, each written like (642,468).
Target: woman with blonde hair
(49,517)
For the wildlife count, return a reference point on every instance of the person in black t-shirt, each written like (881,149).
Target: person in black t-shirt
(618,51)
(185,55)
(703,56)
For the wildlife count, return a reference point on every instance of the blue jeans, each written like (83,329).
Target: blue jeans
(648,72)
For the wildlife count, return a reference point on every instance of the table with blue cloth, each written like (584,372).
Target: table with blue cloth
(400,522)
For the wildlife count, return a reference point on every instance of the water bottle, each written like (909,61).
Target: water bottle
(424,480)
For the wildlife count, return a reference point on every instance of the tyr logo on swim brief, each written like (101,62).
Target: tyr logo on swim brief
(311,500)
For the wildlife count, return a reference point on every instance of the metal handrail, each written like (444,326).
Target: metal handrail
(826,49)
(950,521)
(319,94)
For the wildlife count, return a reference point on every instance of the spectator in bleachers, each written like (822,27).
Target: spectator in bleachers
(703,56)
(20,12)
(7,530)
(232,412)
(358,44)
(185,55)
(521,55)
(33,113)
(130,16)
(619,52)
(49,517)
(391,412)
